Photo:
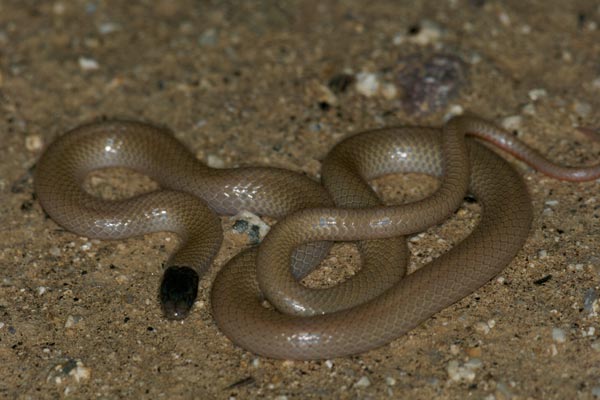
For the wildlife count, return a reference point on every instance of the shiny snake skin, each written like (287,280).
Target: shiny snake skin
(370,309)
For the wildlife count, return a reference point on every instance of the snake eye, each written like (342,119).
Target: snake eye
(178,291)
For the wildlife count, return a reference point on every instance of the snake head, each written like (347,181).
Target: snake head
(178,291)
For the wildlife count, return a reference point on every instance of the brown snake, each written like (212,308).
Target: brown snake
(368,310)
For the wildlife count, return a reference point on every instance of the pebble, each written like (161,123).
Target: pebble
(590,302)
(428,32)
(329,364)
(214,161)
(482,327)
(390,381)
(363,382)
(54,251)
(108,27)
(69,369)
(536,94)
(73,320)
(559,335)
(460,373)
(428,84)
(88,64)
(41,290)
(512,123)
(542,254)
(596,392)
(250,224)
(367,84)
(34,142)
(596,345)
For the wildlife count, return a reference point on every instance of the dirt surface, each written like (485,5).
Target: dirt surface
(278,84)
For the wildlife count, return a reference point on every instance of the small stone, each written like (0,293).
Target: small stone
(256,362)
(73,320)
(536,94)
(34,142)
(214,161)
(108,27)
(41,290)
(596,345)
(69,369)
(596,392)
(458,373)
(86,246)
(551,203)
(367,84)
(389,91)
(559,335)
(590,302)
(482,327)
(54,251)
(363,382)
(88,64)
(542,254)
(512,123)
(390,381)
(428,32)
(329,364)
(454,349)
(473,351)
(251,225)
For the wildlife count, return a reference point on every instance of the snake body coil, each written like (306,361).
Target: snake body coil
(368,310)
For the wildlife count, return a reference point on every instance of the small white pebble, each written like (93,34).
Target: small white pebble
(536,94)
(256,362)
(458,373)
(108,27)
(474,363)
(81,372)
(390,381)
(41,290)
(363,382)
(329,364)
(542,254)
(595,345)
(54,251)
(504,18)
(512,123)
(491,323)
(482,327)
(86,246)
(34,142)
(553,350)
(551,203)
(88,64)
(215,161)
(367,84)
(501,280)
(454,349)
(559,335)
(1,325)
(429,32)
(389,91)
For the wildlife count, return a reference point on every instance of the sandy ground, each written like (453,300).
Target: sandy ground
(278,83)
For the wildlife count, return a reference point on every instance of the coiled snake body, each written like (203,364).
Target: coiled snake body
(370,309)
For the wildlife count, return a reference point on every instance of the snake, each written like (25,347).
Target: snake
(375,306)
